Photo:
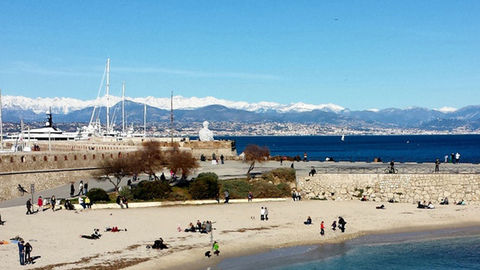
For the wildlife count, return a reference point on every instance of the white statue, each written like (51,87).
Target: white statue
(205,134)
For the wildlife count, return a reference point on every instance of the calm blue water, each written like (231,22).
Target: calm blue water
(438,249)
(454,253)
(411,148)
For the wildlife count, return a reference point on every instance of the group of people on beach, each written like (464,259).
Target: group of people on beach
(122,201)
(425,205)
(42,203)
(24,252)
(341,224)
(82,189)
(452,158)
(296,196)
(263,213)
(201,227)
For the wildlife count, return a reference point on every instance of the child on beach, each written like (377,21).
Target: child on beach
(215,248)
(334,225)
(322,228)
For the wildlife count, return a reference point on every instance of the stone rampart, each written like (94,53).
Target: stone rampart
(42,181)
(409,188)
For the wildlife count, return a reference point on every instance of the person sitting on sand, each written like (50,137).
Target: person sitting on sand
(208,226)
(430,205)
(462,202)
(199,225)
(190,228)
(364,198)
(2,222)
(444,201)
(68,205)
(420,205)
(309,221)
(380,207)
(158,244)
(94,236)
(334,225)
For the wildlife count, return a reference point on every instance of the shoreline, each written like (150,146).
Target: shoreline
(240,252)
(359,235)
(314,252)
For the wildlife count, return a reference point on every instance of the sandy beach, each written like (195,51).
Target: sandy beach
(55,236)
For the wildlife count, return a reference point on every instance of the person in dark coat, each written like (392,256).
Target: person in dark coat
(72,190)
(28,250)
(29,207)
(341,224)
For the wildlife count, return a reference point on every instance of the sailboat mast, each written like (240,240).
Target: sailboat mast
(107,90)
(123,107)
(1,122)
(144,119)
(171,117)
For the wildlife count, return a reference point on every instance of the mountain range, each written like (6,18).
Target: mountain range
(15,108)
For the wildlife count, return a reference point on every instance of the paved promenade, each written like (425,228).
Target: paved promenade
(236,169)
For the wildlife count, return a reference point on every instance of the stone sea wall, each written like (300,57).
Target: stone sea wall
(409,188)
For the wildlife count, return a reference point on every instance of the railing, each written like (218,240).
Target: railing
(400,170)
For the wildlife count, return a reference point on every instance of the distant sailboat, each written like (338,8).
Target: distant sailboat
(343,138)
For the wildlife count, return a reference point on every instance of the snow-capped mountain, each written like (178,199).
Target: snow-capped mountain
(61,105)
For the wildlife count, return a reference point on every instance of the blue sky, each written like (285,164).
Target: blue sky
(357,54)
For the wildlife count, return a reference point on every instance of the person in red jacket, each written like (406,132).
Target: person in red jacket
(40,203)
(322,228)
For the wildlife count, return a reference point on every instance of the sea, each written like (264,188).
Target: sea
(439,249)
(401,148)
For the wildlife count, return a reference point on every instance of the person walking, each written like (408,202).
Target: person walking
(72,189)
(40,203)
(80,188)
(322,228)
(262,213)
(53,201)
(266,213)
(222,158)
(21,252)
(227,196)
(29,207)
(85,188)
(437,165)
(250,196)
(457,157)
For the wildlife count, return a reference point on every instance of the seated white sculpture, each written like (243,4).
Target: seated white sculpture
(205,134)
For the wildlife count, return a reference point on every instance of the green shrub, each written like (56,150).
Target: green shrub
(179,194)
(237,188)
(285,175)
(262,189)
(148,190)
(126,192)
(205,186)
(98,195)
